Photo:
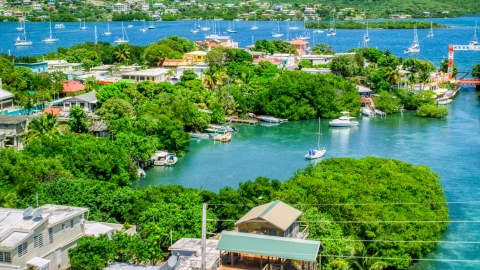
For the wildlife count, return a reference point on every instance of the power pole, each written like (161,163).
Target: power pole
(204,235)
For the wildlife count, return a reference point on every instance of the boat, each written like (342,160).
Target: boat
(201,136)
(444,101)
(332,31)
(269,119)
(430,34)
(171,160)
(380,113)
(343,121)
(294,27)
(21,26)
(107,33)
(252,115)
(130,26)
(123,39)
(366,38)
(163,158)
(195,28)
(415,47)
(22,41)
(474,41)
(318,30)
(59,26)
(223,137)
(319,152)
(50,38)
(84,27)
(277,34)
(254,26)
(206,27)
(367,111)
(231,29)
(95,35)
(224,128)
(141,172)
(144,28)
(306,34)
(151,26)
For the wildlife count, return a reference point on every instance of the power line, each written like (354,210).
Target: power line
(352,204)
(401,241)
(366,221)
(404,259)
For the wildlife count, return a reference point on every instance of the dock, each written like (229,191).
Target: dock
(235,119)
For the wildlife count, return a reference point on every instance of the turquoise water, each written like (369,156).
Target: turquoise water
(449,146)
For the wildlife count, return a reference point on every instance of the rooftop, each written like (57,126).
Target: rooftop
(299,42)
(196,53)
(59,213)
(89,97)
(4,94)
(97,229)
(72,86)
(195,245)
(13,119)
(277,213)
(147,72)
(126,266)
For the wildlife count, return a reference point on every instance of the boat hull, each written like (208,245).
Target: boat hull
(316,154)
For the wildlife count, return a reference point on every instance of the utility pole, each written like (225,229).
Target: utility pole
(204,235)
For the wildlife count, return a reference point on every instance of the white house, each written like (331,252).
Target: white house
(153,74)
(119,7)
(6,98)
(87,101)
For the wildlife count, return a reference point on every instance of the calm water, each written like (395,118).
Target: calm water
(449,146)
(394,40)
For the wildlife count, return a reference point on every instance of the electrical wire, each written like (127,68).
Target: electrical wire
(401,241)
(365,221)
(408,259)
(352,204)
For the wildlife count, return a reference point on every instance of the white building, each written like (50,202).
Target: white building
(119,7)
(153,74)
(6,98)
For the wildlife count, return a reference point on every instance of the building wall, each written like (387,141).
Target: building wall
(260,227)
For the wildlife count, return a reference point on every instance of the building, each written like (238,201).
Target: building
(318,59)
(37,7)
(40,238)
(2,140)
(213,41)
(145,7)
(174,63)
(277,62)
(196,56)
(189,254)
(153,74)
(88,101)
(71,87)
(99,129)
(40,67)
(288,60)
(6,98)
(317,70)
(197,69)
(14,127)
(301,46)
(119,7)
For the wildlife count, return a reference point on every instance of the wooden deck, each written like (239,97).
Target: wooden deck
(235,119)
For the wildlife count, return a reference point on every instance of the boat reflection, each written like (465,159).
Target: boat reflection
(340,139)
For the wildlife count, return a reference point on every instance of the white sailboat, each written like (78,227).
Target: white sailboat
(50,38)
(84,27)
(415,47)
(23,41)
(277,34)
(474,41)
(107,33)
(319,152)
(206,27)
(21,26)
(430,34)
(151,26)
(294,27)
(306,34)
(231,29)
(318,30)
(195,27)
(254,26)
(332,31)
(144,28)
(366,38)
(123,39)
(95,38)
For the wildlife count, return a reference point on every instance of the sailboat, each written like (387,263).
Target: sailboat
(95,38)
(474,41)
(306,34)
(277,34)
(151,26)
(231,29)
(206,27)
(415,47)
(331,30)
(107,33)
(84,27)
(318,30)
(50,38)
(123,39)
(430,34)
(294,27)
(22,41)
(254,26)
(195,27)
(319,152)
(21,26)
(144,28)
(366,38)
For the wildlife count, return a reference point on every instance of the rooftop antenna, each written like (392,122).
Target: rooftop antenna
(36,198)
(28,212)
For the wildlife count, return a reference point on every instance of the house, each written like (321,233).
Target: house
(37,7)
(158,5)
(213,41)
(145,7)
(277,62)
(119,7)
(174,63)
(39,67)
(309,11)
(51,3)
(153,74)
(71,87)
(301,46)
(18,14)
(196,56)
(64,66)
(88,101)
(288,60)
(99,129)
(317,70)
(6,98)
(40,238)
(275,218)
(364,91)
(190,249)
(26,3)
(318,59)
(13,127)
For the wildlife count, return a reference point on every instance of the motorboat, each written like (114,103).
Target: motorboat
(380,113)
(59,26)
(163,158)
(343,121)
(367,111)
(51,38)
(141,172)
(269,119)
(224,128)
(444,101)
(201,136)
(223,137)
(318,152)
(171,160)
(123,39)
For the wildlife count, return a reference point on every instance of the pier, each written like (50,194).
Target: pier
(235,119)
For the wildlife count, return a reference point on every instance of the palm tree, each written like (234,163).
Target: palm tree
(412,80)
(424,78)
(393,76)
(122,53)
(44,126)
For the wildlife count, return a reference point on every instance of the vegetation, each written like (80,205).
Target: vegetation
(476,71)
(429,110)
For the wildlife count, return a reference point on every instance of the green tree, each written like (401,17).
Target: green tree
(92,253)
(122,53)
(116,108)
(305,63)
(45,125)
(91,84)
(78,121)
(476,71)
(344,65)
(393,76)
(444,68)
(322,48)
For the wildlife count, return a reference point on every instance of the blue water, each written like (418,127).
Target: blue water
(396,41)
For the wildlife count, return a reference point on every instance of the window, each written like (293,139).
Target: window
(5,257)
(38,241)
(63,226)
(50,235)
(71,224)
(22,249)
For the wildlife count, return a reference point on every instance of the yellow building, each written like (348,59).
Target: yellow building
(196,56)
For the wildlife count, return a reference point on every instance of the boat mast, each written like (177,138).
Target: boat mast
(319,134)
(96,37)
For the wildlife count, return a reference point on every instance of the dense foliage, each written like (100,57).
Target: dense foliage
(476,71)
(274,46)
(429,110)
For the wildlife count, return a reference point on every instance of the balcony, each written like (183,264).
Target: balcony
(303,231)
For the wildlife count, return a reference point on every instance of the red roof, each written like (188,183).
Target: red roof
(274,61)
(72,86)
(298,42)
(54,110)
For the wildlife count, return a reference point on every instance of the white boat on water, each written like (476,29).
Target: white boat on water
(171,160)
(195,28)
(277,34)
(224,128)
(366,38)
(59,26)
(123,39)
(367,111)
(444,101)
(415,47)
(254,26)
(151,26)
(130,26)
(141,172)
(22,41)
(51,38)
(380,113)
(474,41)
(343,121)
(144,28)
(201,136)
(163,158)
(306,33)
(430,34)
(319,152)
(21,26)
(107,33)
(206,27)
(84,27)
(294,27)
(269,119)
(332,31)
(232,28)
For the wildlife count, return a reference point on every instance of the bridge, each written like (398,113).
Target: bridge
(470,47)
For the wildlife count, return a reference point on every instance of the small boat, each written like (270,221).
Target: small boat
(22,41)
(195,28)
(107,33)
(277,34)
(343,121)
(444,101)
(50,38)
(319,152)
(59,26)
(224,128)
(430,34)
(366,38)
(84,27)
(144,28)
(380,113)
(367,111)
(306,34)
(171,160)
(130,26)
(21,26)
(232,29)
(331,30)
(294,27)
(223,137)
(141,172)
(415,47)
(252,115)
(206,27)
(254,26)
(151,26)
(269,119)
(474,41)
(201,136)
(123,39)
(318,30)
(163,158)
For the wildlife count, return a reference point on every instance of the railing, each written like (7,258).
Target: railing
(303,234)
(10,267)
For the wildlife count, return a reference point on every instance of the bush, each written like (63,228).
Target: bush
(428,110)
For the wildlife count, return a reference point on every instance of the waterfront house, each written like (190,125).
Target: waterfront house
(39,67)
(213,41)
(70,88)
(174,63)
(196,56)
(300,45)
(119,7)
(318,59)
(40,238)
(153,74)
(14,126)
(6,98)
(87,101)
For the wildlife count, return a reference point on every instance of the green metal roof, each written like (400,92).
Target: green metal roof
(273,246)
